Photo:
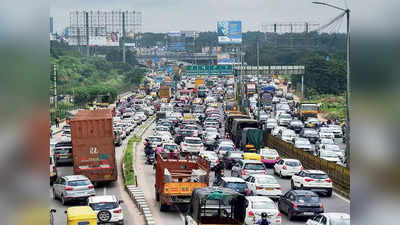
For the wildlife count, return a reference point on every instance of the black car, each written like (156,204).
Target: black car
(231,158)
(311,134)
(300,203)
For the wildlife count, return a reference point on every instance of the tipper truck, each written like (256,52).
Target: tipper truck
(93,149)
(176,179)
(164,92)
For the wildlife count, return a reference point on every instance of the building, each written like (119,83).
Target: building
(51,25)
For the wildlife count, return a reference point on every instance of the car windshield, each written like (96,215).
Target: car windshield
(327,141)
(226,148)
(309,107)
(302,142)
(297,123)
(325,130)
(155,139)
(317,176)
(237,185)
(266,180)
(289,133)
(292,163)
(76,183)
(254,166)
(285,116)
(339,221)
(271,121)
(170,147)
(268,152)
(193,141)
(310,132)
(162,128)
(211,130)
(263,205)
(307,199)
(103,206)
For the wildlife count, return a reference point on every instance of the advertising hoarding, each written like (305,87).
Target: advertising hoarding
(229,32)
(225,59)
(111,39)
(176,41)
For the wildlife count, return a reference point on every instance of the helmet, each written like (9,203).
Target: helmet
(264,215)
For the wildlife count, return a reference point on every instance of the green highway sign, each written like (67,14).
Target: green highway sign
(209,70)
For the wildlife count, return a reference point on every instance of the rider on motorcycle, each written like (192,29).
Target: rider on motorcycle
(263,220)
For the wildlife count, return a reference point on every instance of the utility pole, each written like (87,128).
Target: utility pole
(123,38)
(258,80)
(55,85)
(87,34)
(302,86)
(347,13)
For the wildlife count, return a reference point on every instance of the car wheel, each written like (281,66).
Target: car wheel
(329,193)
(290,215)
(280,174)
(54,194)
(292,185)
(163,207)
(104,216)
(157,197)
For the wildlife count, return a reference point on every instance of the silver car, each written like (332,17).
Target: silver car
(284,119)
(73,188)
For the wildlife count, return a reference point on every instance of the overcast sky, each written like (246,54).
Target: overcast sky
(202,15)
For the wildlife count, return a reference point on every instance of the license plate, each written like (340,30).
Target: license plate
(308,213)
(269,189)
(319,181)
(270,158)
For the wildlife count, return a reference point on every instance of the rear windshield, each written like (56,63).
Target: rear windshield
(227,148)
(318,176)
(292,163)
(193,141)
(237,185)
(307,199)
(62,150)
(103,206)
(155,139)
(78,183)
(337,221)
(170,147)
(254,166)
(266,180)
(263,205)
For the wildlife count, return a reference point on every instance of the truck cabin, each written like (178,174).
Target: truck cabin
(215,205)
(307,110)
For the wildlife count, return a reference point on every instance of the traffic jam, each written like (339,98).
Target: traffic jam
(206,154)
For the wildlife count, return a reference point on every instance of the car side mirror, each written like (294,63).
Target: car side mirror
(120,201)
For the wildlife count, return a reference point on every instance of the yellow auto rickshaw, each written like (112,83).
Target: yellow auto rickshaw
(251,156)
(81,215)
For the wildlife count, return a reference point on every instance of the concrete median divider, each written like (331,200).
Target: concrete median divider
(340,175)
(135,193)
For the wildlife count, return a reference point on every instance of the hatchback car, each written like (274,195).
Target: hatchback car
(302,203)
(269,156)
(107,208)
(255,205)
(244,168)
(284,119)
(192,145)
(330,219)
(314,180)
(287,167)
(303,144)
(73,188)
(265,185)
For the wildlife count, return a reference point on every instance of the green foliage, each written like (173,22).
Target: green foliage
(129,173)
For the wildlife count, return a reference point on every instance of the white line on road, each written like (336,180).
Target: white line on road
(104,191)
(341,197)
(180,214)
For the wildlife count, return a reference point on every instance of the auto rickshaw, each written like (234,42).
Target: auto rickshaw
(81,215)
(252,156)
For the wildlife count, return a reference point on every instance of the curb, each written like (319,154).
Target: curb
(134,192)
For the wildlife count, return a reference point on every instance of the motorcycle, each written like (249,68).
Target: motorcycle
(150,159)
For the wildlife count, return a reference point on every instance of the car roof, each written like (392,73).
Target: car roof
(259,198)
(233,179)
(193,138)
(304,192)
(292,160)
(261,175)
(75,177)
(102,198)
(251,161)
(315,171)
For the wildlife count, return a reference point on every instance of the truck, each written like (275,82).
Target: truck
(93,148)
(238,125)
(267,93)
(252,139)
(250,89)
(164,92)
(306,110)
(198,81)
(176,179)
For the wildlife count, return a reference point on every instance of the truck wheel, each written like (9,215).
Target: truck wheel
(163,207)
(157,197)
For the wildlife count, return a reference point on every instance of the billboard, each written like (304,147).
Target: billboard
(111,39)
(229,32)
(176,41)
(225,59)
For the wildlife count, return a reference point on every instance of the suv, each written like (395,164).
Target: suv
(234,183)
(74,187)
(192,145)
(300,203)
(63,154)
(244,168)
(107,208)
(315,180)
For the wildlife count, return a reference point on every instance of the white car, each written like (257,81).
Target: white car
(255,205)
(269,156)
(161,128)
(265,185)
(335,148)
(329,156)
(325,141)
(314,180)
(277,129)
(271,123)
(303,143)
(336,130)
(325,132)
(192,145)
(284,119)
(166,135)
(288,135)
(330,219)
(107,208)
(287,167)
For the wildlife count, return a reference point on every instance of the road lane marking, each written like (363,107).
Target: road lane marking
(341,197)
(180,213)
(104,191)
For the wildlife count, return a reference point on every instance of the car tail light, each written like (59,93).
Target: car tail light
(217,161)
(278,158)
(302,168)
(265,172)
(243,172)
(320,205)
(145,143)
(258,188)
(117,211)
(90,186)
(251,213)
(184,144)
(328,180)
(68,188)
(284,167)
(278,188)
(279,214)
(308,179)
(201,145)
(294,204)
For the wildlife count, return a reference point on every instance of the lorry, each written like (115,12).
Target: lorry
(252,139)
(93,149)
(230,118)
(199,81)
(267,93)
(238,125)
(176,179)
(250,89)
(306,110)
(164,92)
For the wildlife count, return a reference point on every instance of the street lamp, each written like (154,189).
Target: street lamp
(347,12)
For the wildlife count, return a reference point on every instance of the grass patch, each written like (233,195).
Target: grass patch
(129,173)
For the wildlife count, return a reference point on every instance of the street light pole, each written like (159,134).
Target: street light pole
(258,81)
(347,12)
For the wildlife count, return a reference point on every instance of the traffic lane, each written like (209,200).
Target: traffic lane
(146,181)
(335,203)
(130,214)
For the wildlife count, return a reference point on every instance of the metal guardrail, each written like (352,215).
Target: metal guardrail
(339,174)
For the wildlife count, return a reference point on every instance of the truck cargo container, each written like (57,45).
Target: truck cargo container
(164,92)
(93,149)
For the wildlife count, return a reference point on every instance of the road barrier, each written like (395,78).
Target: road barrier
(339,174)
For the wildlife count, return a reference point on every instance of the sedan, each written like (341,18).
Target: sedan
(284,119)
(255,205)
(269,156)
(300,203)
(311,134)
(265,185)
(303,143)
(330,219)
